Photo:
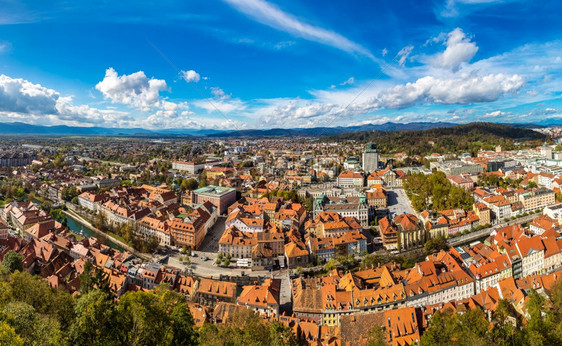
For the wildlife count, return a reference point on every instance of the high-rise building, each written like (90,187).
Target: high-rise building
(370,158)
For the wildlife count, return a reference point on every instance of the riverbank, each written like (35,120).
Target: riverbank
(69,213)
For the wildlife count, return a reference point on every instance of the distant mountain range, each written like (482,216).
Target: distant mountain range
(18,128)
(326,131)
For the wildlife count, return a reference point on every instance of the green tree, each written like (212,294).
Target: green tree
(435,245)
(376,336)
(86,282)
(161,317)
(143,321)
(330,265)
(245,328)
(203,179)
(538,327)
(504,331)
(8,335)
(181,326)
(96,321)
(189,184)
(13,261)
(448,328)
(281,335)
(34,328)
(21,286)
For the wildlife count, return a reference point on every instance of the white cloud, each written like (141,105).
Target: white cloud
(171,109)
(23,100)
(349,81)
(496,114)
(135,89)
(465,89)
(139,91)
(384,52)
(459,50)
(21,96)
(532,92)
(403,54)
(292,111)
(272,16)
(218,93)
(190,76)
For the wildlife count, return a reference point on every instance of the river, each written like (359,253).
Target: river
(76,227)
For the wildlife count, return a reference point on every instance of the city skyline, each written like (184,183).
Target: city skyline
(244,64)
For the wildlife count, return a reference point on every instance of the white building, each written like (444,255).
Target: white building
(553,211)
(532,255)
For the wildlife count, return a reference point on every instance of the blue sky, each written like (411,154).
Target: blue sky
(238,64)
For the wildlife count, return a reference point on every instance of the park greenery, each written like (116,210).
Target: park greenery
(436,192)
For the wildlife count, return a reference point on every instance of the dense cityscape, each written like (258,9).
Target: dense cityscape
(324,243)
(267,172)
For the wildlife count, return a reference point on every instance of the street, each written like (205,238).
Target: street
(211,242)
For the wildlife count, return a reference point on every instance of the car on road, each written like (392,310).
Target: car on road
(204,258)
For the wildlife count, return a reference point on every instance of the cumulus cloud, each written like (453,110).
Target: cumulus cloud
(21,96)
(135,89)
(459,50)
(465,89)
(21,99)
(329,107)
(190,76)
(139,91)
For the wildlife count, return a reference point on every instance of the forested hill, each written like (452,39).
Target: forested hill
(462,138)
